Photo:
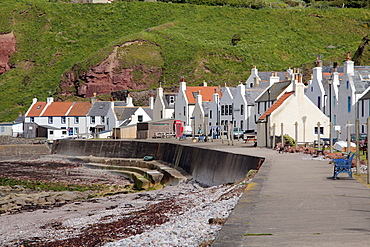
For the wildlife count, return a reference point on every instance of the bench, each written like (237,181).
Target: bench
(343,165)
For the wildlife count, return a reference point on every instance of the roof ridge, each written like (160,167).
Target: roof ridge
(276,105)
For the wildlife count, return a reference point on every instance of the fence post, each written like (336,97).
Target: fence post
(318,136)
(296,133)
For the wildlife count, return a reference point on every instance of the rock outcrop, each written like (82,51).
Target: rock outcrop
(7,47)
(132,65)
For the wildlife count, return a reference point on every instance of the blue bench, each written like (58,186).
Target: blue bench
(343,165)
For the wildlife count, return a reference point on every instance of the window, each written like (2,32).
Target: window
(77,120)
(335,119)
(39,107)
(102,119)
(172,100)
(241,124)
(161,114)
(50,120)
(76,130)
(242,110)
(70,131)
(349,104)
(347,85)
(64,132)
(334,101)
(140,118)
(362,109)
(222,110)
(32,119)
(319,102)
(312,89)
(92,119)
(258,107)
(210,114)
(321,130)
(226,110)
(230,109)
(51,132)
(184,111)
(63,120)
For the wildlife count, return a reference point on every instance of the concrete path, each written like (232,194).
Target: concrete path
(293,201)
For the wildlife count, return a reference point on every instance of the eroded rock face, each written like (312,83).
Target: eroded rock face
(133,65)
(7,47)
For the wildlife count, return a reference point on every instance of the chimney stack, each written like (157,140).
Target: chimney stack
(93,99)
(129,101)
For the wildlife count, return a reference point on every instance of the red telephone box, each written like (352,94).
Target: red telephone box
(178,128)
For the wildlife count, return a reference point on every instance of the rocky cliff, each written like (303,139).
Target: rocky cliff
(133,65)
(7,47)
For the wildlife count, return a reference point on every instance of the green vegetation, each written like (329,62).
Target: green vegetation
(38,185)
(216,44)
(258,234)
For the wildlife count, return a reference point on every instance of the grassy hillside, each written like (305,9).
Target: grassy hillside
(195,41)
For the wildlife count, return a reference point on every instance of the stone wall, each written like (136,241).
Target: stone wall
(23,151)
(208,167)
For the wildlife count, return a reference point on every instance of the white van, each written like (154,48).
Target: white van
(188,131)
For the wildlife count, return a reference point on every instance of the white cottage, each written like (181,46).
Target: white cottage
(298,115)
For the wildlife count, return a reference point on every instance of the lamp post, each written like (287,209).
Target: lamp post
(330,122)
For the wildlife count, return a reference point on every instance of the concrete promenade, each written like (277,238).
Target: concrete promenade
(293,201)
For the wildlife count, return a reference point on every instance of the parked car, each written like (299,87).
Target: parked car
(363,137)
(238,133)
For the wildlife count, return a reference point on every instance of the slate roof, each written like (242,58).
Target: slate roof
(56,109)
(36,109)
(99,108)
(206,105)
(265,75)
(80,109)
(251,94)
(127,113)
(148,111)
(274,91)
(277,103)
(361,78)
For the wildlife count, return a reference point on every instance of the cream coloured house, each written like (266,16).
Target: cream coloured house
(298,115)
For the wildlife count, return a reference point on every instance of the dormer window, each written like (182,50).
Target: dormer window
(102,119)
(32,119)
(39,107)
(172,100)
(50,120)
(63,120)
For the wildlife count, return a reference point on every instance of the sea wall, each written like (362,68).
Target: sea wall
(207,166)
(22,151)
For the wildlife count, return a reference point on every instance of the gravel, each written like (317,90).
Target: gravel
(182,215)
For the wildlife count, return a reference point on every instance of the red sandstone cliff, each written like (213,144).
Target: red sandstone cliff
(119,71)
(7,47)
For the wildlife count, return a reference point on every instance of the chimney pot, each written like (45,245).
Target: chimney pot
(348,57)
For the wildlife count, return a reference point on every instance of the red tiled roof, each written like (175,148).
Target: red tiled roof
(57,109)
(36,109)
(329,74)
(276,105)
(80,109)
(206,93)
